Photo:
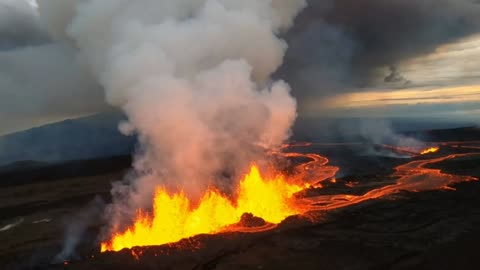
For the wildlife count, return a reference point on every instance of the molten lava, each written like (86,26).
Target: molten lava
(430,150)
(174,217)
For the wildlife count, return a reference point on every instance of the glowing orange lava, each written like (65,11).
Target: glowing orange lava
(174,216)
(430,150)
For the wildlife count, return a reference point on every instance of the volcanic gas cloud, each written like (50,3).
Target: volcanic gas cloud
(193,77)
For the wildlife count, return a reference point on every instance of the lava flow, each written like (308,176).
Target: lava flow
(175,217)
(412,176)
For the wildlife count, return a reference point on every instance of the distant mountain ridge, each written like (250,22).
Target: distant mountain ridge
(85,138)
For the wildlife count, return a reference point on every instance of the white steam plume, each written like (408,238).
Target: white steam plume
(193,76)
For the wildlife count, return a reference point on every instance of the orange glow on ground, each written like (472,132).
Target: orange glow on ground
(175,218)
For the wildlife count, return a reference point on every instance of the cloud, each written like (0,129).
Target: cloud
(382,98)
(19,25)
(41,79)
(45,82)
(449,65)
(340,45)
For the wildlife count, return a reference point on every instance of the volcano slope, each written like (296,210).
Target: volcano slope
(401,230)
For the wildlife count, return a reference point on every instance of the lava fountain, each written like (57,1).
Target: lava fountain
(430,150)
(175,217)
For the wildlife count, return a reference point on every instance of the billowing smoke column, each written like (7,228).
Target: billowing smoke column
(193,76)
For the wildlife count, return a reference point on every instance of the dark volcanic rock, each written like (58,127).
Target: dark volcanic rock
(248,220)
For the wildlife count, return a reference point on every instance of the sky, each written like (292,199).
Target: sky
(444,84)
(334,69)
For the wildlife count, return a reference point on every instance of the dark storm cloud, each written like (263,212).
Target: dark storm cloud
(19,25)
(389,31)
(41,80)
(395,76)
(335,45)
